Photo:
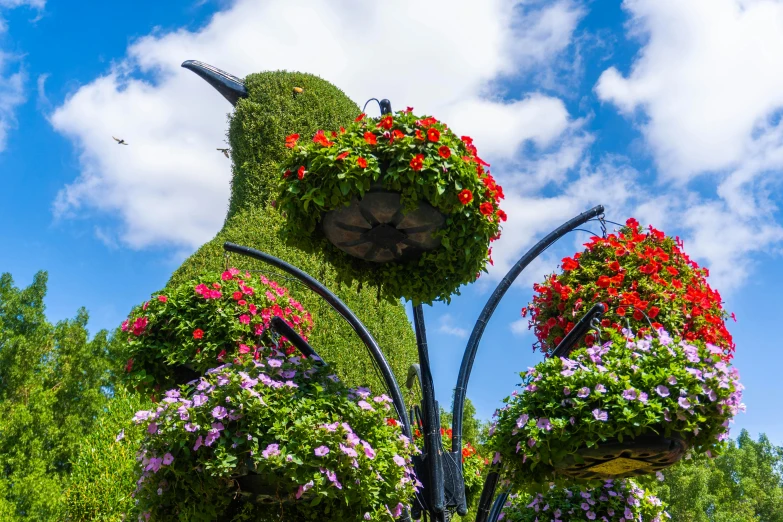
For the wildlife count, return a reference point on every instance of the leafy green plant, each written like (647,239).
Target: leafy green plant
(613,501)
(204,322)
(423,160)
(645,280)
(320,450)
(619,390)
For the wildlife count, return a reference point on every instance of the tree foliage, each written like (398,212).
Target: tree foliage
(743,484)
(51,381)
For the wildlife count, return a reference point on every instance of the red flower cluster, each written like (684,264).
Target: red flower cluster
(643,278)
(321,139)
(290,140)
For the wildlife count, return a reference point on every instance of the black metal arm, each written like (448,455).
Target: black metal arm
(578,331)
(340,307)
(478,330)
(279,325)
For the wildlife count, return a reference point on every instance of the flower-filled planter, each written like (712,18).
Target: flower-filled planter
(628,407)
(645,280)
(614,501)
(283,434)
(400,201)
(175,337)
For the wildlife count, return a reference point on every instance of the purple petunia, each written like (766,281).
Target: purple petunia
(271,450)
(321,451)
(662,390)
(600,415)
(219,412)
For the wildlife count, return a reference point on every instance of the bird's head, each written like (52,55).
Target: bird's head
(269,106)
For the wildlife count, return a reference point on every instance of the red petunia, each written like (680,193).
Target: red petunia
(360,117)
(653,312)
(603,281)
(419,135)
(396,135)
(391,422)
(417,163)
(569,264)
(386,122)
(343,155)
(198,333)
(162,298)
(433,134)
(502,215)
(370,138)
(129,365)
(362,163)
(321,139)
(409,110)
(465,197)
(290,140)
(614,266)
(621,311)
(486,208)
(286,173)
(301,172)
(444,151)
(237,295)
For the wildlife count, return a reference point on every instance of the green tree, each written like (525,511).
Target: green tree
(51,382)
(745,483)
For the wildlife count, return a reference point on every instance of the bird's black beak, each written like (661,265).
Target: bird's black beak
(231,87)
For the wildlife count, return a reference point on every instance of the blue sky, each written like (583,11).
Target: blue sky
(660,109)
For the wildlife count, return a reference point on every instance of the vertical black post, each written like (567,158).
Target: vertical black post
(433,457)
(478,330)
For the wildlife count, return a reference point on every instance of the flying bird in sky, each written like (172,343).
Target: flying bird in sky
(224,151)
(119,141)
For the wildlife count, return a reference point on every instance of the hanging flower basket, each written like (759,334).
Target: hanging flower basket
(173,338)
(278,432)
(645,280)
(613,501)
(628,407)
(400,201)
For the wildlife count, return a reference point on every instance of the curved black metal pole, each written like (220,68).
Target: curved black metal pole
(432,440)
(280,326)
(488,493)
(497,507)
(578,331)
(489,308)
(340,307)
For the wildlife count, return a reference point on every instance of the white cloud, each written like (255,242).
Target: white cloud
(170,186)
(11,94)
(35,4)
(707,80)
(12,79)
(520,327)
(707,91)
(446,326)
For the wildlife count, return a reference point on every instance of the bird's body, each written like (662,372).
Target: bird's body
(265,113)
(225,152)
(120,141)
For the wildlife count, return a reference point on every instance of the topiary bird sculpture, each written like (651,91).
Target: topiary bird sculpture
(269,106)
